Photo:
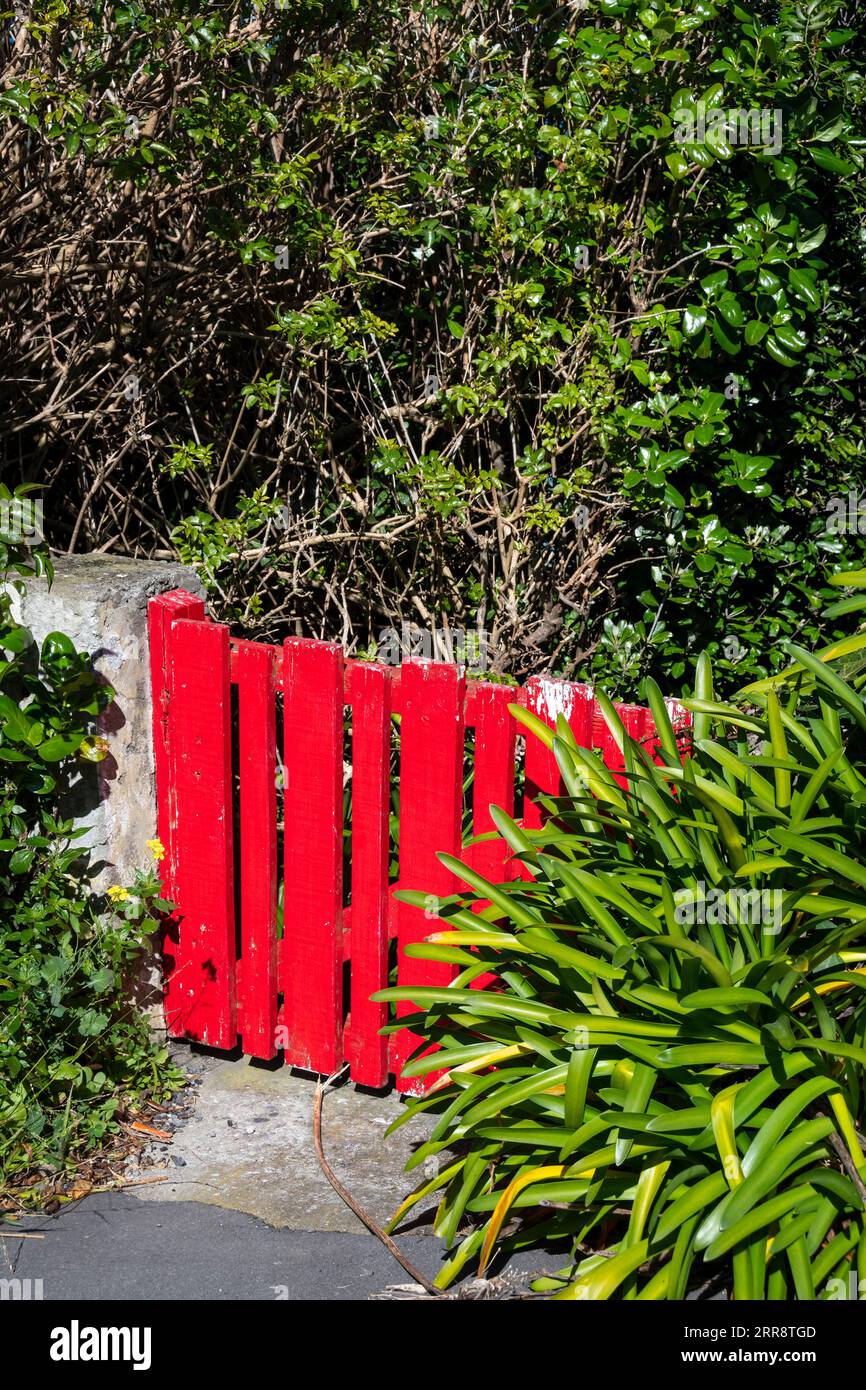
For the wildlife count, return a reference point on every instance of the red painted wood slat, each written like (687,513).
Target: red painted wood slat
(495,733)
(580,716)
(200,994)
(548,698)
(431,779)
(161,612)
(541,772)
(603,741)
(493,785)
(638,723)
(313,818)
(366,1051)
(258,847)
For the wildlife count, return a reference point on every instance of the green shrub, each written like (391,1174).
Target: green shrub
(435,302)
(669,1070)
(72,1045)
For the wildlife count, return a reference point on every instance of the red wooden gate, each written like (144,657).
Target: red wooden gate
(245,732)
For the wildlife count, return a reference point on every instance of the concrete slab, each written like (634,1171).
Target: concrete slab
(249,1146)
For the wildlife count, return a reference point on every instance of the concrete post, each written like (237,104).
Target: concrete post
(100,602)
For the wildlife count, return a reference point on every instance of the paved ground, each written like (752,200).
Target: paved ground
(243,1210)
(113,1246)
(249,1147)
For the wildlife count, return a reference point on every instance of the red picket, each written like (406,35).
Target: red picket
(313,834)
(257,967)
(603,741)
(580,716)
(200,990)
(549,698)
(431,781)
(369,693)
(495,733)
(638,723)
(541,775)
(493,785)
(161,612)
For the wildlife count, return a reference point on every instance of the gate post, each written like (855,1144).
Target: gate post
(100,602)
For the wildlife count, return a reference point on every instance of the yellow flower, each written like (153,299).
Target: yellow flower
(118,895)
(157,849)
(93,750)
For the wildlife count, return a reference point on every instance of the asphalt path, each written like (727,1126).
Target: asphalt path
(113,1246)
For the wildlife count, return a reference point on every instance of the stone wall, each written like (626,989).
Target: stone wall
(100,602)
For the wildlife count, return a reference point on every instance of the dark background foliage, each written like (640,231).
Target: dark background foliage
(297,292)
